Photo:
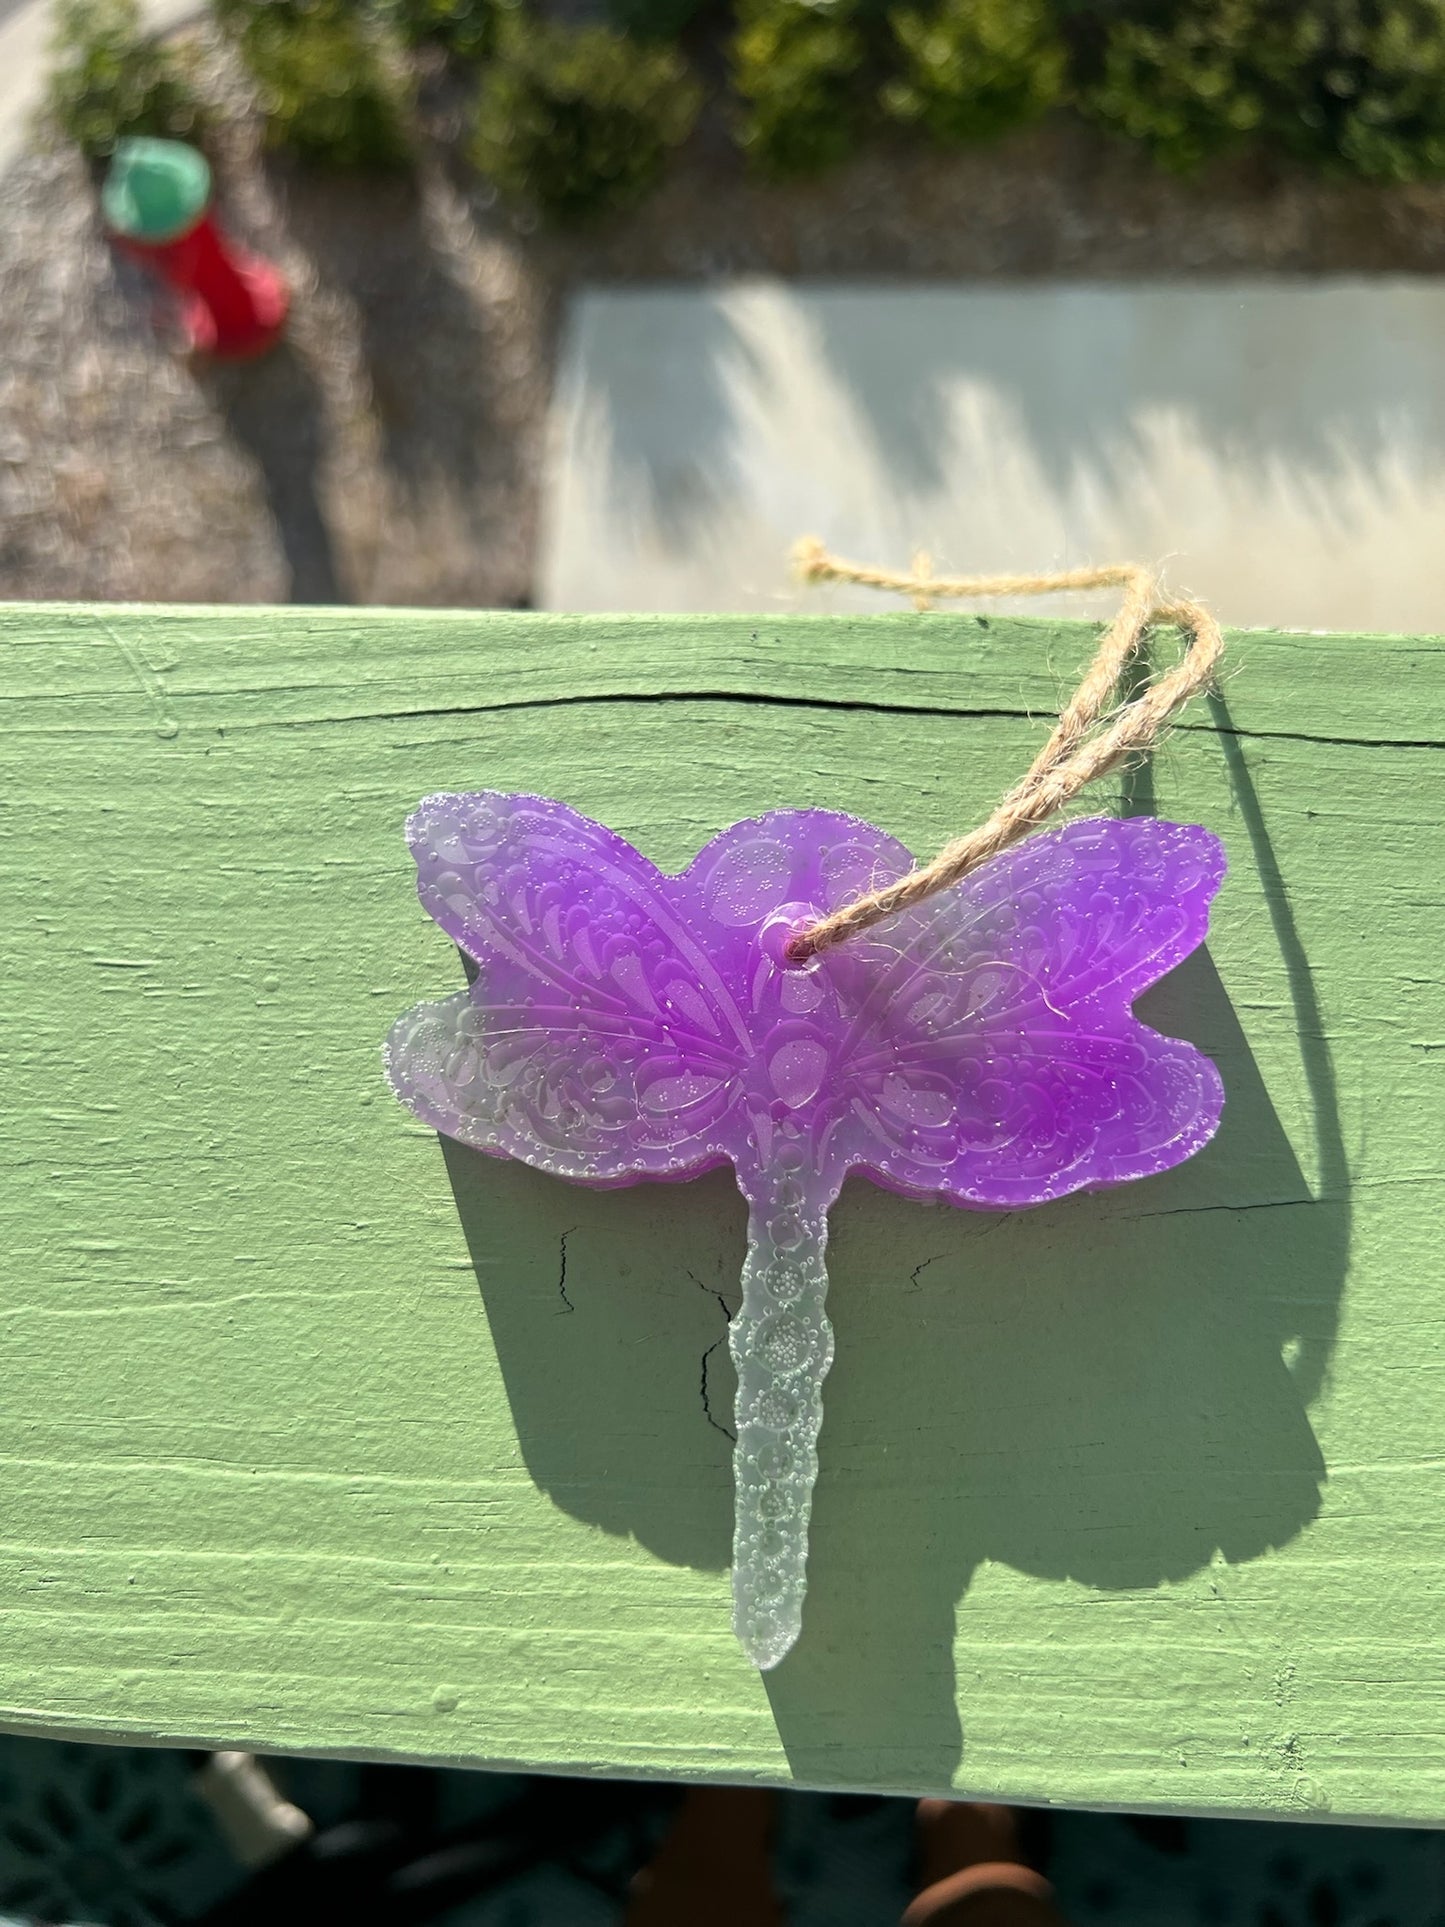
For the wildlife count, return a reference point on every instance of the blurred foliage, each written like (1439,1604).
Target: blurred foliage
(1351,85)
(325,86)
(110,78)
(656,19)
(801,69)
(1358,85)
(1179,77)
(974,69)
(466,30)
(579,121)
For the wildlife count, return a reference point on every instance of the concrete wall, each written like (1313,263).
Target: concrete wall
(1279,445)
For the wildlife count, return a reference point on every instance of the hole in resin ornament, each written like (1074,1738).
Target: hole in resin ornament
(779,931)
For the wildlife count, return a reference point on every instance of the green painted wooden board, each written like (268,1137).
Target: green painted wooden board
(306,1442)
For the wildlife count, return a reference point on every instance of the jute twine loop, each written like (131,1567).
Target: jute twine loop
(1096,731)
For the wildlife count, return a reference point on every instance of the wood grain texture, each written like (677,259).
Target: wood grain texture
(314,1437)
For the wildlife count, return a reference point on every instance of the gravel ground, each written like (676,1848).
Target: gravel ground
(389,452)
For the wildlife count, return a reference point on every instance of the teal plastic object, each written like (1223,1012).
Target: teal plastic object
(155,191)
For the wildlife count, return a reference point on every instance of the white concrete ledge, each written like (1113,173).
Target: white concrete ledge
(1280,444)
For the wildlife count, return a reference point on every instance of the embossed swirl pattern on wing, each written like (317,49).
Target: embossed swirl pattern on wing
(600,1044)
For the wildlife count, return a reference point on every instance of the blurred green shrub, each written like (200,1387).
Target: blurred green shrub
(111,79)
(806,74)
(579,121)
(464,29)
(325,86)
(1349,85)
(974,69)
(655,19)
(1358,85)
(1180,76)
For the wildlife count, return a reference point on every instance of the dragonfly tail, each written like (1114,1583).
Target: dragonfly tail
(782,1346)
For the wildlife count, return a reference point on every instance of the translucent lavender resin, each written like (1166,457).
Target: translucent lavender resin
(980,1049)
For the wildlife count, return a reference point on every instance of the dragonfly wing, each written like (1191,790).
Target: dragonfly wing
(597,1041)
(1018,1119)
(994,1055)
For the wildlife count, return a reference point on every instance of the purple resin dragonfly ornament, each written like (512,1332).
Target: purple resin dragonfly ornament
(978,1048)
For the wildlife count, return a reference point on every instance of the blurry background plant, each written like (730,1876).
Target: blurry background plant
(659,19)
(972,70)
(466,30)
(806,73)
(1179,76)
(110,78)
(325,84)
(1358,85)
(1346,85)
(579,121)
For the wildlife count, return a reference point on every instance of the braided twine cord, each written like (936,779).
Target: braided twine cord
(1096,732)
